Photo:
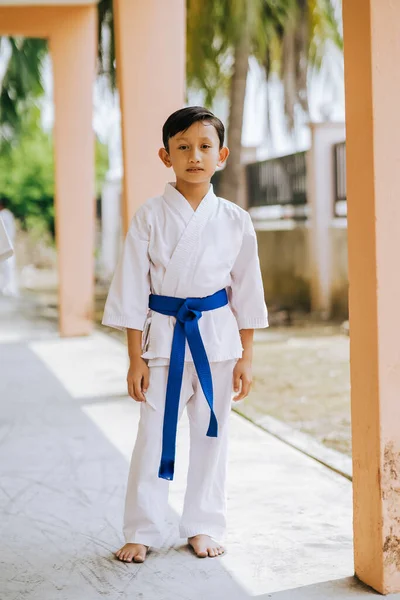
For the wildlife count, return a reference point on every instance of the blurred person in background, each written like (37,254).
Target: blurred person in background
(8,268)
(6,249)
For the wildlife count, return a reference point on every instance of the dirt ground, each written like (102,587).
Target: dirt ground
(301,375)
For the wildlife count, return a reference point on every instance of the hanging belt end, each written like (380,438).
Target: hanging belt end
(166,470)
(213,427)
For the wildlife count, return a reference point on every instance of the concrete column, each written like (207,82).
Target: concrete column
(372,83)
(150,48)
(73,50)
(320,194)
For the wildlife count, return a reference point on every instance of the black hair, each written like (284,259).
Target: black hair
(183,118)
(4,201)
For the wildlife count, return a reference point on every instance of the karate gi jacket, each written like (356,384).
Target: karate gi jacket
(173,250)
(6,249)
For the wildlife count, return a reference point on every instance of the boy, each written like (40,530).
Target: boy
(6,249)
(188,290)
(8,268)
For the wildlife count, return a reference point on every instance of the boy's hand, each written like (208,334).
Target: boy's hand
(138,379)
(242,373)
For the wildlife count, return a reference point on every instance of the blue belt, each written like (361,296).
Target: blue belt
(187,312)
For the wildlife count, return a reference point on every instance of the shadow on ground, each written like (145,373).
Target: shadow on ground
(348,588)
(61,501)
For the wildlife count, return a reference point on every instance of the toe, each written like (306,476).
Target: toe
(198,551)
(140,555)
(139,558)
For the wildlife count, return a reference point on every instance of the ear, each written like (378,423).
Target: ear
(223,155)
(163,154)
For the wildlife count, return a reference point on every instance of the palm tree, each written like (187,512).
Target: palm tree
(21,81)
(287,37)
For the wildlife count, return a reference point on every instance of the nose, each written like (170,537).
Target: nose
(194,156)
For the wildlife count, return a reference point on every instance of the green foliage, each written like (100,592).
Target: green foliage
(101,165)
(211,31)
(22,81)
(27,174)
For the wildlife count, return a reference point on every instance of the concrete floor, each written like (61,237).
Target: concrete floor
(67,430)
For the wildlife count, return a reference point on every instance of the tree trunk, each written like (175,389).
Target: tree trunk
(232,184)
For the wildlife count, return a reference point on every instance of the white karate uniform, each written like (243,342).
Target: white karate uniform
(173,250)
(6,249)
(8,268)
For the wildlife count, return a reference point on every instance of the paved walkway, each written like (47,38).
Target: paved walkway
(67,431)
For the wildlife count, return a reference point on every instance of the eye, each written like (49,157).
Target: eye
(206,146)
(180,147)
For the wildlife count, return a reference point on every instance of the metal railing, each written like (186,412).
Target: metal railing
(279,181)
(340,199)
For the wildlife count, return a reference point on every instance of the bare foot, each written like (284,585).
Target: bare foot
(204,545)
(132,553)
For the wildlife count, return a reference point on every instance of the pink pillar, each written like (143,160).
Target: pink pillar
(73,49)
(372,77)
(150,46)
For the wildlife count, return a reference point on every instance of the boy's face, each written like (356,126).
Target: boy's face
(194,154)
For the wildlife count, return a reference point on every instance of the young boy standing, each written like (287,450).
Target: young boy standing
(188,291)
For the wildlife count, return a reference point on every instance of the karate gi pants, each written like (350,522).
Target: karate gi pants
(204,509)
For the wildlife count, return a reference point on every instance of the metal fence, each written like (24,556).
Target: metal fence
(279,181)
(339,157)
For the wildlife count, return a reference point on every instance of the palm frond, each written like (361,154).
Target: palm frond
(22,82)
(324,29)
(292,39)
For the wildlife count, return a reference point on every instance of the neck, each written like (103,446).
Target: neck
(193,192)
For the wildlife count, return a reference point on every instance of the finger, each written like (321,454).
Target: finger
(130,389)
(137,387)
(236,383)
(246,388)
(243,392)
(146,382)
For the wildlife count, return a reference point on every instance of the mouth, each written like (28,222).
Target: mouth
(196,170)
